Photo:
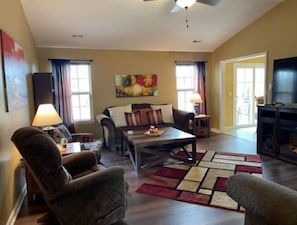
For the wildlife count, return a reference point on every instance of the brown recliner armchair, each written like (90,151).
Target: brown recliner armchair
(265,202)
(76,189)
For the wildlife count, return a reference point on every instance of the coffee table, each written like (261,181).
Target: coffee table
(137,141)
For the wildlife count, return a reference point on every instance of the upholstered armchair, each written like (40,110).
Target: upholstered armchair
(265,202)
(75,187)
(86,139)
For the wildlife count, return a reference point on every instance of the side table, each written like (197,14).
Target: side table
(201,125)
(32,187)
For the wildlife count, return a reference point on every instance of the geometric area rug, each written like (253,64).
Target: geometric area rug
(204,182)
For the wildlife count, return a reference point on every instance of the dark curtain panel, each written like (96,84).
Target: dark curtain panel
(201,85)
(61,74)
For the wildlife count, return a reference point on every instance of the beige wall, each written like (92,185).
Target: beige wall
(275,32)
(107,63)
(13,22)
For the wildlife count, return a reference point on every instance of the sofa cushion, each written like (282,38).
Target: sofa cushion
(117,114)
(167,113)
(133,119)
(155,117)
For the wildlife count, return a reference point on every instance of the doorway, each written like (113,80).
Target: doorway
(249,81)
(242,81)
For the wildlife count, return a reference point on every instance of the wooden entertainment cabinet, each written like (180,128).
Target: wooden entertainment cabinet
(277,131)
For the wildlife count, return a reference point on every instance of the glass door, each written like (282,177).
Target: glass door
(248,83)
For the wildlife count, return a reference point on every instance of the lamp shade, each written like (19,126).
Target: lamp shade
(46,115)
(196,98)
(185,3)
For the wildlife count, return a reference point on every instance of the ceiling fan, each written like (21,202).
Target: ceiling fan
(179,4)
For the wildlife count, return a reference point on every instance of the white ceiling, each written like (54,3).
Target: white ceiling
(138,24)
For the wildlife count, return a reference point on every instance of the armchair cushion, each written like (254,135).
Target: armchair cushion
(60,132)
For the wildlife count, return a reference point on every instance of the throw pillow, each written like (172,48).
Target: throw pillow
(60,132)
(133,119)
(167,112)
(143,115)
(155,117)
(117,114)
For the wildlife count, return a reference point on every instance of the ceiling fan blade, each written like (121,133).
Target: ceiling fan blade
(209,2)
(175,9)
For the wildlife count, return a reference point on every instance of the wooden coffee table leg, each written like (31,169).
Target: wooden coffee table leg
(194,151)
(137,159)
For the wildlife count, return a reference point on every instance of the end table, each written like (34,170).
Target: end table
(201,125)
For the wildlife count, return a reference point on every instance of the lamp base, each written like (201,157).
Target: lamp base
(197,109)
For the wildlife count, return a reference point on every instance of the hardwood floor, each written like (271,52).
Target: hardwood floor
(148,210)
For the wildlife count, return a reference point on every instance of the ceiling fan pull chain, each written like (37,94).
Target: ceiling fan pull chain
(187,17)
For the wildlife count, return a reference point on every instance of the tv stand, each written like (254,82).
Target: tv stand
(277,132)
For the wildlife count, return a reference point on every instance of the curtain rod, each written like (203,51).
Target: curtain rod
(78,60)
(187,62)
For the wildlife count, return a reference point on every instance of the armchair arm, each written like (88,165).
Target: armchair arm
(182,118)
(265,202)
(97,179)
(109,128)
(99,196)
(79,162)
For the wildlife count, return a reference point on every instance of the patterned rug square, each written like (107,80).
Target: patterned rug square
(204,182)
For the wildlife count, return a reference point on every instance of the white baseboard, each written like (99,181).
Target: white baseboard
(215,130)
(16,209)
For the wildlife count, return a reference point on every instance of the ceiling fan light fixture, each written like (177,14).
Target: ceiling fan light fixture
(185,3)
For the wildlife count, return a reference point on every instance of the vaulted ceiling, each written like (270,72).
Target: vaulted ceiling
(138,24)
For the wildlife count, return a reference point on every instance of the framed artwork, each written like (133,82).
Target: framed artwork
(14,77)
(136,85)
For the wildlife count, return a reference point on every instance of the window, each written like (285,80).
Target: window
(81,92)
(185,81)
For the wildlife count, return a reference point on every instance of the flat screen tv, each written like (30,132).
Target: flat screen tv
(284,83)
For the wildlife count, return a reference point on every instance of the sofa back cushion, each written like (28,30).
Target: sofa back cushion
(117,114)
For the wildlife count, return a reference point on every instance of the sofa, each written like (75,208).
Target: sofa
(116,119)
(265,202)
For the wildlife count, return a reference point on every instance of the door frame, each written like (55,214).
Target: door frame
(222,88)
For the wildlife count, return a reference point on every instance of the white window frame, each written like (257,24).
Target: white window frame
(77,93)
(186,103)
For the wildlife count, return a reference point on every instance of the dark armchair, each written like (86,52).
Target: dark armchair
(75,187)
(265,202)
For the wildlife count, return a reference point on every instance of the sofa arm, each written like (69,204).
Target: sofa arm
(265,202)
(182,118)
(109,128)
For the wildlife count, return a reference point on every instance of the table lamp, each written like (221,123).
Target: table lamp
(45,117)
(196,100)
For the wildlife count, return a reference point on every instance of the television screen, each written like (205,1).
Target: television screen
(284,84)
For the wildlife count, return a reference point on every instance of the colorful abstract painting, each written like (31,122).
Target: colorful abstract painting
(13,73)
(136,85)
